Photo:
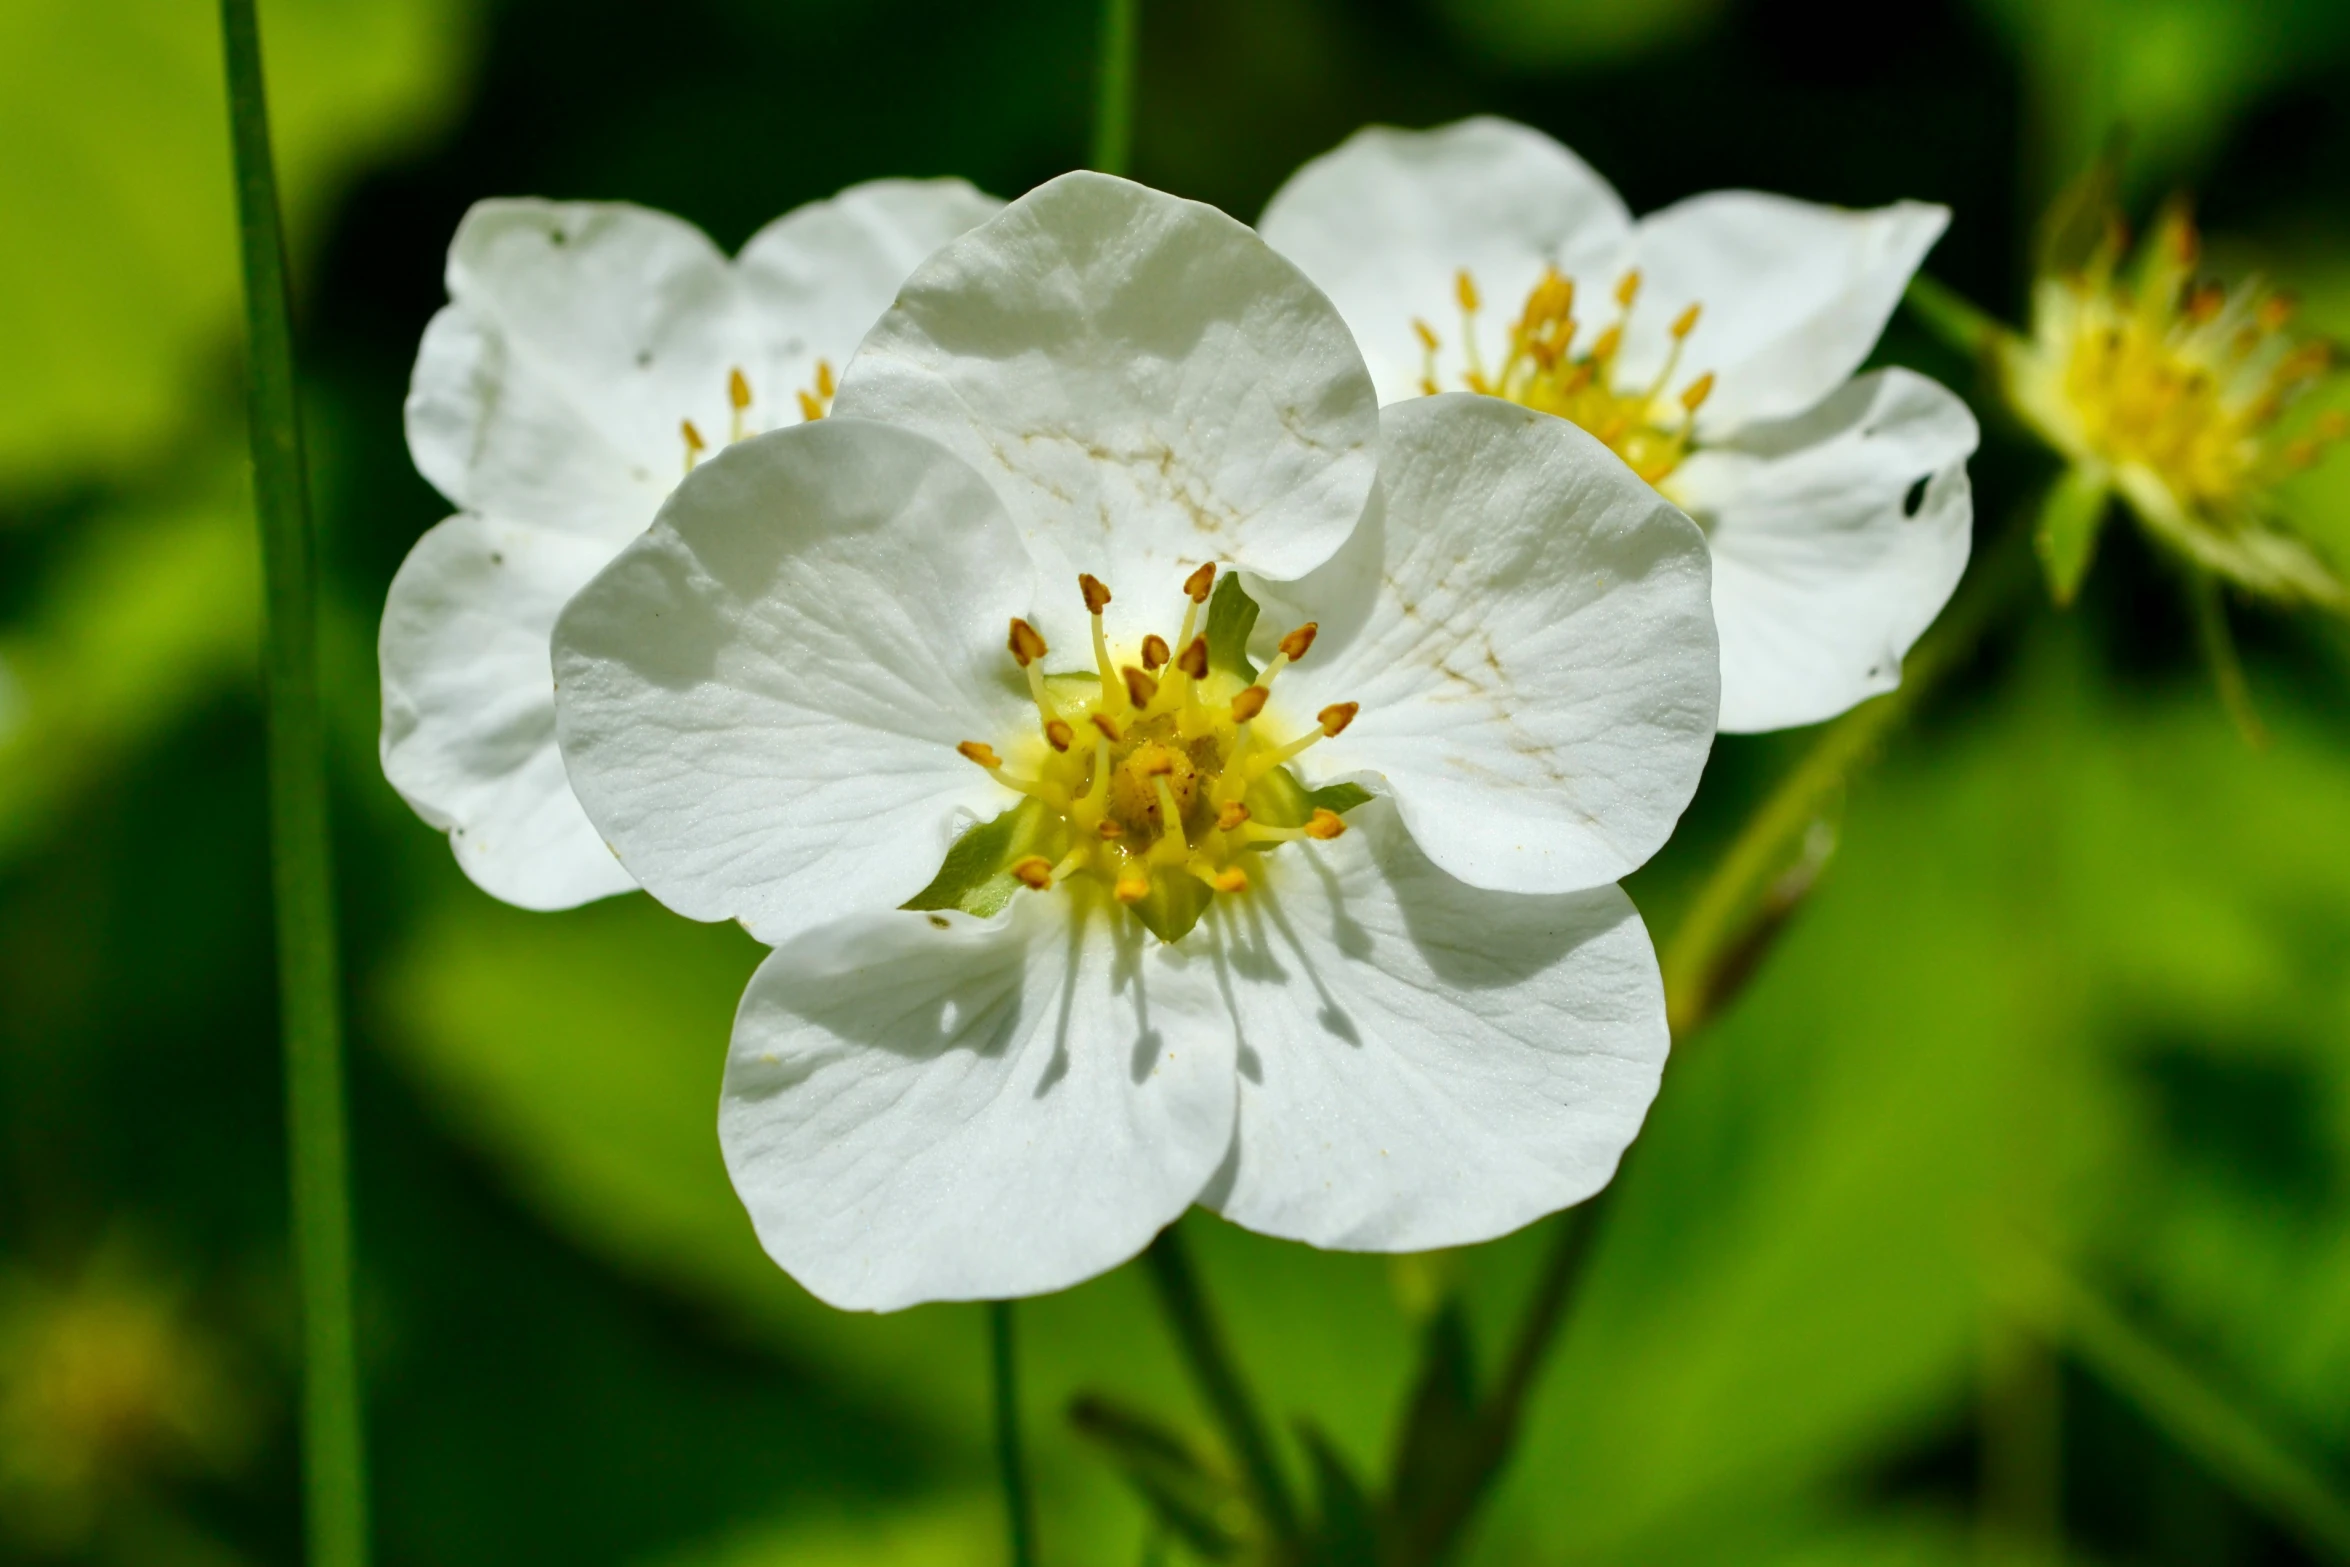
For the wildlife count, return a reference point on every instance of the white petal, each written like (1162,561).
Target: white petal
(925,1107)
(1424,1063)
(578,336)
(1824,574)
(759,700)
(469,707)
(1387,221)
(1147,384)
(1525,624)
(1793,295)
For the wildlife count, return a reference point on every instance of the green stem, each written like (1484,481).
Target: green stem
(2205,1422)
(2219,651)
(309,984)
(1113,103)
(1739,908)
(1019,1508)
(1954,318)
(1201,1341)
(1429,1534)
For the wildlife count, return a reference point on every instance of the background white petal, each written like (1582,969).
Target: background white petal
(829,269)
(759,700)
(925,1107)
(577,336)
(1147,383)
(1424,1063)
(1526,626)
(1387,220)
(1837,538)
(469,707)
(1794,296)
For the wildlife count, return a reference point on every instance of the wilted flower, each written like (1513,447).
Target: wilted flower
(2175,392)
(1711,345)
(956,699)
(590,354)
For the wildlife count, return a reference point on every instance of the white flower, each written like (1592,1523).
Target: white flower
(1000,586)
(1711,344)
(589,353)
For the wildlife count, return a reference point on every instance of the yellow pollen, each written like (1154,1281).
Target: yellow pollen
(811,407)
(1693,395)
(1464,288)
(1426,333)
(1230,879)
(1628,289)
(1325,825)
(694,444)
(1230,815)
(1249,703)
(1686,322)
(980,752)
(825,385)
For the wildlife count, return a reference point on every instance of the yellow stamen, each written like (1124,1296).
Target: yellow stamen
(738,398)
(1035,871)
(1249,703)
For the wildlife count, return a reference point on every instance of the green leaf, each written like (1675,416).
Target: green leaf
(2066,537)
(1199,1504)
(1232,616)
(976,875)
(1346,1522)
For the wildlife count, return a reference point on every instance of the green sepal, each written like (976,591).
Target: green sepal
(1176,901)
(2066,537)
(1196,1503)
(1346,1520)
(2076,233)
(1232,617)
(977,876)
(1279,800)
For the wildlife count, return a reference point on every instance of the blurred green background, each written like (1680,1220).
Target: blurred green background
(2075,988)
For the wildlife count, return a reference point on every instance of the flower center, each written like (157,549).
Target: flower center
(1649,425)
(815,403)
(2181,377)
(1156,777)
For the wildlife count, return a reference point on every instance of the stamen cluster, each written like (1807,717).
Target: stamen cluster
(2183,377)
(1156,776)
(1542,371)
(815,403)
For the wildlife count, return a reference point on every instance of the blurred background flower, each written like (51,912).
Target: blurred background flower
(2073,991)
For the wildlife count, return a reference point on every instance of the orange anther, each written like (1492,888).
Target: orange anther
(980,752)
(1337,716)
(1686,322)
(1193,660)
(810,409)
(1603,347)
(1140,688)
(1199,582)
(1628,289)
(1230,879)
(1107,725)
(1231,816)
(693,437)
(1131,889)
(825,385)
(1426,334)
(1058,735)
(1249,704)
(1154,651)
(738,390)
(1693,395)
(1035,871)
(1324,825)
(2275,311)
(1097,593)
(1026,643)
(1294,645)
(1110,829)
